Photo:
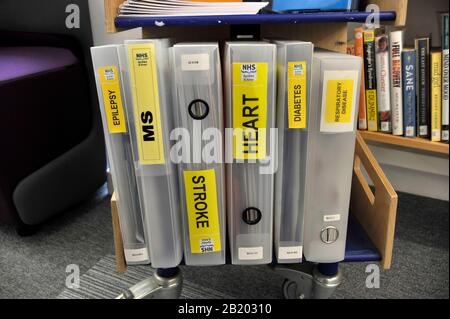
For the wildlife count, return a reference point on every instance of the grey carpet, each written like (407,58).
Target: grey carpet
(35,267)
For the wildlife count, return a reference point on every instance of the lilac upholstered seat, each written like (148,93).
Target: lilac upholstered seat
(19,62)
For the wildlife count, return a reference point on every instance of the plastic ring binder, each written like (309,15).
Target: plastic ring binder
(251,216)
(198,109)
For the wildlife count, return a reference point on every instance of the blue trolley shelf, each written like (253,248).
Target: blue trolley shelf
(266,18)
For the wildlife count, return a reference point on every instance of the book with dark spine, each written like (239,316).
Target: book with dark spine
(422,46)
(445,79)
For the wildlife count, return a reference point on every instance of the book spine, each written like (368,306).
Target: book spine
(359,51)
(383,83)
(445,79)
(423,86)
(396,48)
(409,93)
(436,96)
(370,80)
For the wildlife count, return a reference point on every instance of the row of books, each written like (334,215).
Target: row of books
(405,90)
(180,177)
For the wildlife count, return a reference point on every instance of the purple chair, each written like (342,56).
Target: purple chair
(52,153)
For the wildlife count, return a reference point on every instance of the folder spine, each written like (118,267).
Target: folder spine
(294,62)
(112,108)
(198,108)
(249,70)
(151,122)
(331,146)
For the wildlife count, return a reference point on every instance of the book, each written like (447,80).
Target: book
(359,51)
(436,95)
(383,82)
(370,80)
(331,145)
(164,8)
(294,60)
(422,47)
(396,48)
(409,92)
(445,79)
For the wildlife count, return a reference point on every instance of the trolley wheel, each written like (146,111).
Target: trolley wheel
(290,289)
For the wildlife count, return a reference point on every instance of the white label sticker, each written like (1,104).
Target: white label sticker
(249,72)
(195,62)
(250,253)
(294,252)
(332,218)
(136,255)
(423,130)
(410,131)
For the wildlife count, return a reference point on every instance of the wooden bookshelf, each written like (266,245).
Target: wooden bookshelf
(410,143)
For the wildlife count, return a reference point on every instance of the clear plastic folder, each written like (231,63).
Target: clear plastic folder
(198,111)
(111,99)
(294,61)
(249,69)
(151,121)
(331,146)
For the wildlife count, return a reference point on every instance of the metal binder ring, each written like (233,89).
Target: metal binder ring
(252,216)
(198,109)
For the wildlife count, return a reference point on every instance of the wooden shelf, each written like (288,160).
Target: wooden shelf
(411,143)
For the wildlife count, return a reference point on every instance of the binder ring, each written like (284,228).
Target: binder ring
(198,109)
(251,216)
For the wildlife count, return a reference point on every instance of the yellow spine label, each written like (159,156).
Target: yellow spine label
(436,96)
(202,210)
(250,110)
(297,95)
(147,116)
(112,99)
(372,114)
(339,101)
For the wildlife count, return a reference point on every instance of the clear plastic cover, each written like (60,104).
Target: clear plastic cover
(331,146)
(249,69)
(293,104)
(111,100)
(150,117)
(198,109)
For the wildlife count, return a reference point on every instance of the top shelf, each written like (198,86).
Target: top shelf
(266,18)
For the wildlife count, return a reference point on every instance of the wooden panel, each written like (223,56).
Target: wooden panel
(411,143)
(375,212)
(111,10)
(121,265)
(399,6)
(331,36)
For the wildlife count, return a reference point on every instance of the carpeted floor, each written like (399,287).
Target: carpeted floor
(35,267)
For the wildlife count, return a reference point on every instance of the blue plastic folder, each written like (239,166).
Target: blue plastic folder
(313,5)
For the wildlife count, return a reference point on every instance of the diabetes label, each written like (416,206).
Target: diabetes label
(338,101)
(297,95)
(249,110)
(112,99)
(202,210)
(147,115)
